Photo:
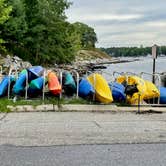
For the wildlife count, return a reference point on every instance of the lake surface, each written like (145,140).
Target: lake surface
(145,64)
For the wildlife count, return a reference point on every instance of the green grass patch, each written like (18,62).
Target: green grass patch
(4,102)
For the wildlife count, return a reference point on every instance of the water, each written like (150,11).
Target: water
(145,64)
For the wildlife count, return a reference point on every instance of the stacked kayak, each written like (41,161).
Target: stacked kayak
(138,89)
(5,83)
(69,84)
(151,91)
(85,88)
(118,91)
(19,86)
(32,74)
(162,95)
(102,91)
(36,86)
(53,84)
(35,72)
(136,84)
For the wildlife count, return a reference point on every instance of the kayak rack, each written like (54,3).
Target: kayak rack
(44,80)
(110,75)
(12,69)
(156,75)
(126,74)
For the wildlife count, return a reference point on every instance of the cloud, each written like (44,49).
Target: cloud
(122,22)
(105,17)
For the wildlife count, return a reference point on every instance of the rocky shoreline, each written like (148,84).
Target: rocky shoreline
(81,66)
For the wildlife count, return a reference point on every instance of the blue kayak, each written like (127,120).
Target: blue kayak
(20,83)
(69,84)
(35,72)
(162,95)
(36,86)
(85,88)
(117,91)
(5,83)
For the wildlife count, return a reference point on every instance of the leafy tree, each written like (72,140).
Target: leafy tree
(37,31)
(47,38)
(4,11)
(15,28)
(4,15)
(87,35)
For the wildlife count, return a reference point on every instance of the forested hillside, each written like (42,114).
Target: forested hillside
(38,31)
(132,51)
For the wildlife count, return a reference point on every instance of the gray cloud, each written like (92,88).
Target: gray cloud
(122,22)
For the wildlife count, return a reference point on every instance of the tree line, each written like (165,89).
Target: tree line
(132,51)
(38,31)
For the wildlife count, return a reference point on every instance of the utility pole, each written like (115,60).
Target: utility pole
(154,56)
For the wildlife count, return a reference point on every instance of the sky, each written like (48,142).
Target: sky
(122,22)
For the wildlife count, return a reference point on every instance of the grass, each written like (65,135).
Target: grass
(4,102)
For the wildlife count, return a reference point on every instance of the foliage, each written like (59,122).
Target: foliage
(4,15)
(37,31)
(86,34)
(132,51)
(4,11)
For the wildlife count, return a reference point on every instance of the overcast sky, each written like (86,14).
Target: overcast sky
(122,22)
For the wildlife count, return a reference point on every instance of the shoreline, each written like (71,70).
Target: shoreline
(92,65)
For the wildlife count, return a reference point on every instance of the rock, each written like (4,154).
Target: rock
(14,62)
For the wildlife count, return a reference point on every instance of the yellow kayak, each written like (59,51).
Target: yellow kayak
(151,91)
(102,91)
(140,84)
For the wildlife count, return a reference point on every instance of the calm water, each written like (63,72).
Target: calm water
(145,64)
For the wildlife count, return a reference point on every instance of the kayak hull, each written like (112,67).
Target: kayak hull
(85,88)
(162,95)
(69,84)
(4,84)
(102,91)
(53,84)
(117,91)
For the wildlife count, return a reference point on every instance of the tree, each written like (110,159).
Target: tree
(47,38)
(38,31)
(87,35)
(4,11)
(4,15)
(15,28)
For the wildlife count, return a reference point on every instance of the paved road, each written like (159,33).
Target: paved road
(85,155)
(68,128)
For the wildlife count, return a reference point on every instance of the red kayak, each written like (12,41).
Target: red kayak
(53,84)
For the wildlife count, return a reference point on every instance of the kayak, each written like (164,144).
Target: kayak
(118,91)
(162,95)
(69,84)
(53,84)
(35,72)
(35,86)
(151,91)
(19,86)
(102,91)
(85,88)
(135,88)
(5,83)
